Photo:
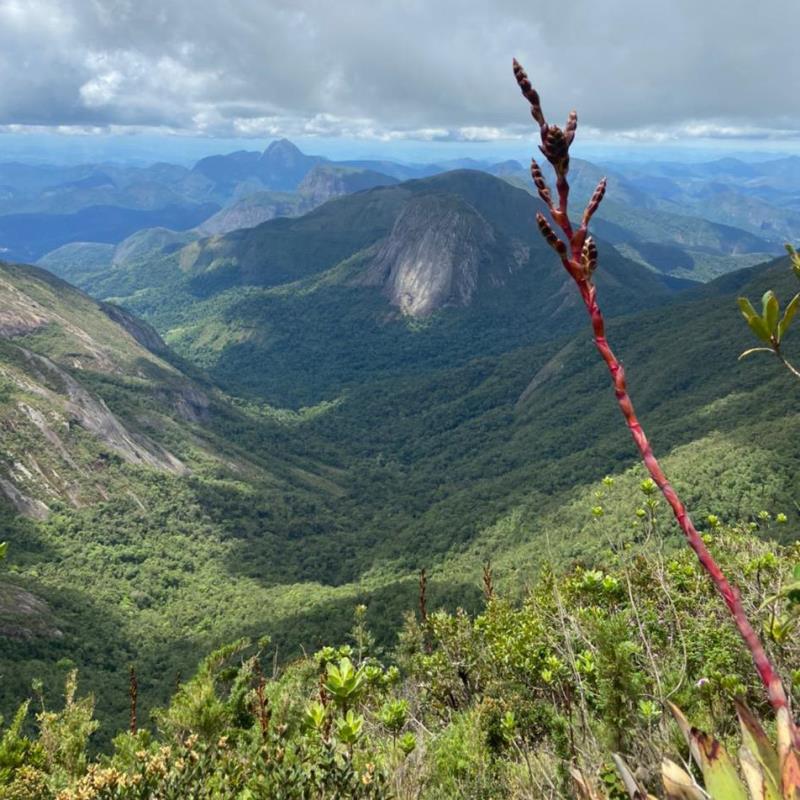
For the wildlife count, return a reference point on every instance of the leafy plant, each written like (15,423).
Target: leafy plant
(345,682)
(771,326)
(764,772)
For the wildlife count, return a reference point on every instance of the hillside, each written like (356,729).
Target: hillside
(670,223)
(671,235)
(496,453)
(350,289)
(126,487)
(30,236)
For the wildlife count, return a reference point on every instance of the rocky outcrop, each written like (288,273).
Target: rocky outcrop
(27,506)
(94,416)
(324,182)
(25,616)
(14,322)
(432,257)
(19,314)
(139,330)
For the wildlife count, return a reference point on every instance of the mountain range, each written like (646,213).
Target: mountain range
(250,432)
(706,221)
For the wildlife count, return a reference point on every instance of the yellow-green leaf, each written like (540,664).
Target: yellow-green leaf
(678,784)
(758,325)
(788,315)
(770,310)
(719,774)
(757,743)
(755,778)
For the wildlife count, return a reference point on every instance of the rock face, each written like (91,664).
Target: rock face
(143,333)
(324,182)
(25,616)
(432,257)
(252,210)
(94,416)
(60,352)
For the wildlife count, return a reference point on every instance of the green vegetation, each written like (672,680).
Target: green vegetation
(300,515)
(520,699)
(184,511)
(771,326)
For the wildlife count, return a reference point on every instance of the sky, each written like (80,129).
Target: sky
(381,77)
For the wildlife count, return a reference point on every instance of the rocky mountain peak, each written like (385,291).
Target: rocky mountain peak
(282,151)
(431,258)
(283,165)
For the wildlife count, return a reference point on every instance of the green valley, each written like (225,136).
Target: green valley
(234,488)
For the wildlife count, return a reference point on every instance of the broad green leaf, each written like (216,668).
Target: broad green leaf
(719,773)
(758,325)
(770,310)
(3,549)
(795,257)
(788,315)
(746,307)
(760,329)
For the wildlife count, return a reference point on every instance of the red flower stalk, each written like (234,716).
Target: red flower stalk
(578,254)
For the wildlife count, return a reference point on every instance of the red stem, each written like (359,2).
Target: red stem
(580,270)
(730,594)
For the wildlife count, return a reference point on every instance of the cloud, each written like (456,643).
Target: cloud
(378,69)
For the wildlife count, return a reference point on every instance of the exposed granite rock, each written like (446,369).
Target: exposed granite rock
(432,257)
(19,315)
(27,506)
(143,333)
(94,416)
(25,616)
(324,182)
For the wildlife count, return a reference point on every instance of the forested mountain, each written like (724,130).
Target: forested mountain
(346,288)
(176,515)
(44,207)
(695,224)
(671,234)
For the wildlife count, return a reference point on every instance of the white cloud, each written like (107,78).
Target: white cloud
(377,69)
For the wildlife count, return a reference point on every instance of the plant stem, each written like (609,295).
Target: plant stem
(786,363)
(768,674)
(579,258)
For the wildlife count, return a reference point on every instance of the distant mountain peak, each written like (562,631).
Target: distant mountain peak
(284,154)
(283,165)
(280,146)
